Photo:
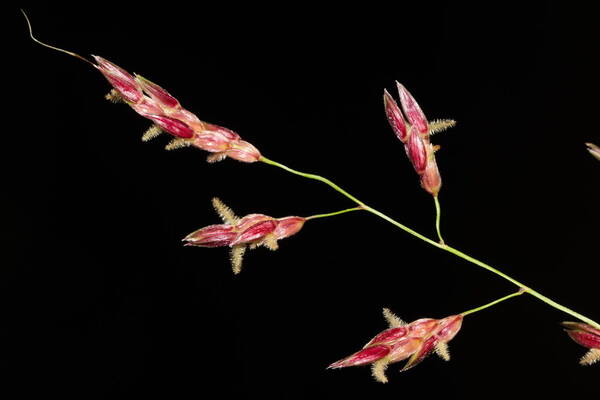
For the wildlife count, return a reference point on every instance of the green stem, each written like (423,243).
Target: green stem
(483,307)
(331,214)
(442,246)
(312,176)
(529,290)
(438,213)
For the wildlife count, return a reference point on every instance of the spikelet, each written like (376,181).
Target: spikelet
(590,357)
(224,212)
(177,143)
(114,97)
(236,256)
(378,370)
(440,125)
(151,133)
(392,319)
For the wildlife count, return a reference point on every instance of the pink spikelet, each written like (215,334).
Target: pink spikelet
(153,102)
(412,128)
(402,341)
(586,336)
(251,231)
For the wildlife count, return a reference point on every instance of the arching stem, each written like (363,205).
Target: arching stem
(458,253)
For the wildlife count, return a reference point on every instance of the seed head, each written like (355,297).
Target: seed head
(410,126)
(251,231)
(155,103)
(402,341)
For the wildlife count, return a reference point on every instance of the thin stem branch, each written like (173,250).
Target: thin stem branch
(492,303)
(442,246)
(348,195)
(50,46)
(438,213)
(313,176)
(331,214)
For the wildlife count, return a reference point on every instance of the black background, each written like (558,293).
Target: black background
(102,300)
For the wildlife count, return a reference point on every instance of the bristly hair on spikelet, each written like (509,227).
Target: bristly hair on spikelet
(392,319)
(591,357)
(236,256)
(114,97)
(216,157)
(226,214)
(378,370)
(151,133)
(440,125)
(269,241)
(441,349)
(177,143)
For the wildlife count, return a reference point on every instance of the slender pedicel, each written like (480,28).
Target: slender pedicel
(493,303)
(438,213)
(331,214)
